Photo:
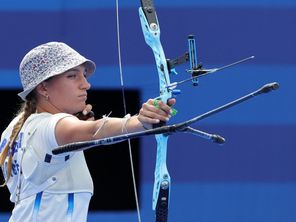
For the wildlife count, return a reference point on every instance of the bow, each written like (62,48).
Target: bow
(151,32)
(162,182)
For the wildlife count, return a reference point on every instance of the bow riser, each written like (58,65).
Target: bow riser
(162,180)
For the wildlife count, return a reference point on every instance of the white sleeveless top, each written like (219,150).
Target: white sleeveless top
(46,187)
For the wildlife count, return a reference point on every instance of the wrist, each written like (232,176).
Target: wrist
(143,125)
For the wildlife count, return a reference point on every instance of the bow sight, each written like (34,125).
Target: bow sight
(196,69)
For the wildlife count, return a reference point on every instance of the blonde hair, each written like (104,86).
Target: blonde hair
(25,111)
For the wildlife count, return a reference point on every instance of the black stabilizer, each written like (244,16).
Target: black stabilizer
(269,87)
(69,148)
(218,139)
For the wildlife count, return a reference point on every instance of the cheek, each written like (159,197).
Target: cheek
(61,95)
(61,90)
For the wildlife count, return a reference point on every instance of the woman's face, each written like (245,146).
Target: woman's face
(67,91)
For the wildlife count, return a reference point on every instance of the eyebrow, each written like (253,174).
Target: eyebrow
(73,69)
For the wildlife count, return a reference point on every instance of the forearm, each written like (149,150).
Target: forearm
(72,129)
(107,127)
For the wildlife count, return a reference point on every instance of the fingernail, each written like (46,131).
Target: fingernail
(84,112)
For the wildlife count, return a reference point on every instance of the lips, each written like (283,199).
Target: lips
(83,96)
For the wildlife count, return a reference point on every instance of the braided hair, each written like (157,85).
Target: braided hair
(27,108)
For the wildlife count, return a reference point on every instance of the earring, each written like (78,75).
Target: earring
(47,97)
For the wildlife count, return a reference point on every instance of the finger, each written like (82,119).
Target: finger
(150,101)
(88,116)
(164,107)
(87,109)
(154,115)
(147,120)
(171,101)
(155,112)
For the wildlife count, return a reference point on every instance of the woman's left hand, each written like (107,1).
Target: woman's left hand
(153,114)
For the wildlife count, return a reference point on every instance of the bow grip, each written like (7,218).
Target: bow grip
(162,123)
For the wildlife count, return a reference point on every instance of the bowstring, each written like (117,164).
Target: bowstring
(125,111)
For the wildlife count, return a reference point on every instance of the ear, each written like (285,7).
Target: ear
(41,89)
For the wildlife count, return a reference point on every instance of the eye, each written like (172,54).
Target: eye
(71,75)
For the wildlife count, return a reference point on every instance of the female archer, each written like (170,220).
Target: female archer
(47,187)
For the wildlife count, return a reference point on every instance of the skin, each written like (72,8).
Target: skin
(67,93)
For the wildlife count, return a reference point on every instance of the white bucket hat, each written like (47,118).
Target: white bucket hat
(47,60)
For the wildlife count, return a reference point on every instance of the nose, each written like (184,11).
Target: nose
(85,84)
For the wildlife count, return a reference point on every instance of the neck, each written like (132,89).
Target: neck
(47,106)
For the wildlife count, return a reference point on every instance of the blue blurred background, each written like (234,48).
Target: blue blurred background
(250,178)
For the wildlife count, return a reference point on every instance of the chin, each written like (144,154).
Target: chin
(81,107)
